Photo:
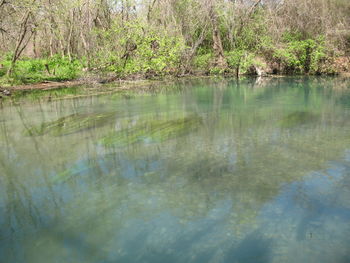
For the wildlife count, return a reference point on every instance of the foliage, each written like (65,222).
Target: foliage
(55,68)
(163,57)
(202,62)
(301,56)
(41,41)
(240,59)
(139,50)
(253,36)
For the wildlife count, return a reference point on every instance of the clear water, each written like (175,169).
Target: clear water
(207,171)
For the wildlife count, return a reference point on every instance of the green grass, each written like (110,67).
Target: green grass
(29,71)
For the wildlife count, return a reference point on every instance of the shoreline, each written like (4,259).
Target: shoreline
(99,85)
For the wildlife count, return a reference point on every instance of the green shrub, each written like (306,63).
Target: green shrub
(140,50)
(61,68)
(202,62)
(155,53)
(55,68)
(301,56)
(216,71)
(239,59)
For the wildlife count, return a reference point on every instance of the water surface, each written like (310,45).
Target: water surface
(209,170)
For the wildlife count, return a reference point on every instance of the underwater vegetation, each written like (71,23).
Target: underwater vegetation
(298,118)
(70,173)
(71,124)
(153,131)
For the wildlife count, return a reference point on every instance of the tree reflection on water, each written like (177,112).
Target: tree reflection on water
(176,177)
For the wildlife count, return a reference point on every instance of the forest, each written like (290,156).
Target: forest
(58,40)
(196,131)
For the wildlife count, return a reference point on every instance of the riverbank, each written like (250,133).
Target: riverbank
(43,74)
(93,86)
(131,87)
(46,80)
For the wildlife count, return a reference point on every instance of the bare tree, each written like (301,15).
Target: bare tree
(27,29)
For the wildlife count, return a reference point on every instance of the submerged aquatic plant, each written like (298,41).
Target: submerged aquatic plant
(298,118)
(153,131)
(71,124)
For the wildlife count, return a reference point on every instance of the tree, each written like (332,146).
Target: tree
(25,33)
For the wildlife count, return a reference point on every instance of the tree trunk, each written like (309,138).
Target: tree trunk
(21,43)
(220,60)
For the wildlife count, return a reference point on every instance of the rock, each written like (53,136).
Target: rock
(6,92)
(256,71)
(263,68)
(275,68)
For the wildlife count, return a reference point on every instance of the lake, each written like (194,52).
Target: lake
(207,170)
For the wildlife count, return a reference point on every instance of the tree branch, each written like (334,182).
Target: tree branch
(251,10)
(3,2)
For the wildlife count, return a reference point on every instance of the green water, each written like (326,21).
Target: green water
(208,171)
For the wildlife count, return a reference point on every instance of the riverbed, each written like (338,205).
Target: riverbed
(208,170)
